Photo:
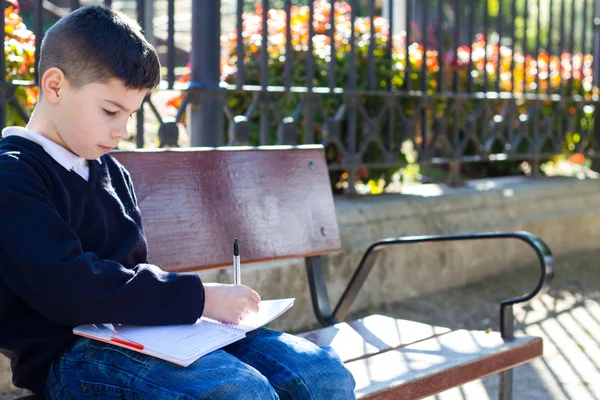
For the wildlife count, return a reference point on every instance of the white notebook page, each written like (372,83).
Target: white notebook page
(187,341)
(182,341)
(268,311)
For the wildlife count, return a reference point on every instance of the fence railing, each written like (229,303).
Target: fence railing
(434,82)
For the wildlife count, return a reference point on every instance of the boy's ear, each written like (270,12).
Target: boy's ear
(52,82)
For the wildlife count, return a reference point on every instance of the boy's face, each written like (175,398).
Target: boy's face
(92,120)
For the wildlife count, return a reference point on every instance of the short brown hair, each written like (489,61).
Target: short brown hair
(94,44)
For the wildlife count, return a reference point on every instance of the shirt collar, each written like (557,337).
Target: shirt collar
(63,156)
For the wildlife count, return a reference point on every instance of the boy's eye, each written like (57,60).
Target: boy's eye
(109,113)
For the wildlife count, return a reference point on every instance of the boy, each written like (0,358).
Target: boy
(72,249)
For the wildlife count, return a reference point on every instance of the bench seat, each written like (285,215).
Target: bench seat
(431,366)
(372,335)
(401,359)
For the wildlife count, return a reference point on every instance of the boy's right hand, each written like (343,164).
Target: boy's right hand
(229,303)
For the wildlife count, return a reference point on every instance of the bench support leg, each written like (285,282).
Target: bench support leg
(506,385)
(318,290)
(507,330)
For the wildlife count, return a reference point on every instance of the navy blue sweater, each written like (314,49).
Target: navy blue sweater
(73,252)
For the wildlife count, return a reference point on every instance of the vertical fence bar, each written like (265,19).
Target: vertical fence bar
(264,75)
(264,55)
(525,22)
(583,41)
(457,8)
(470,38)
(425,5)
(538,36)
(536,103)
(310,76)
(205,111)
(408,68)
(512,110)
(390,121)
(513,43)
(74,4)
(440,40)
(352,116)
(139,134)
(171,43)
(108,3)
(454,164)
(486,27)
(424,100)
(239,49)
(38,15)
(596,50)
(3,88)
(500,31)
(595,76)
(388,78)
(287,69)
(584,132)
(331,74)
(310,60)
(549,46)
(571,47)
(561,45)
(561,49)
(352,60)
(371,56)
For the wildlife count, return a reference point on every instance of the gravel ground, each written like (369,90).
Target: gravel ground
(568,319)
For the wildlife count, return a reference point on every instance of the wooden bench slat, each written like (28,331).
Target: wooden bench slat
(434,365)
(195,202)
(372,335)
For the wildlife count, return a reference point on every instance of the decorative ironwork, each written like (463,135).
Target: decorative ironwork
(373,127)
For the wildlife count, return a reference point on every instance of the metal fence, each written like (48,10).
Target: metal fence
(355,83)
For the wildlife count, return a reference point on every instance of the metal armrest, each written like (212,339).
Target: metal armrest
(327,317)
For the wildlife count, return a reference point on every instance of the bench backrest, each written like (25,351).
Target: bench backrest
(194,202)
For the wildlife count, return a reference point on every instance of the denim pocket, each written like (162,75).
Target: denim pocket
(93,390)
(110,354)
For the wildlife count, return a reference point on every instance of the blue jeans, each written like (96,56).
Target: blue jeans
(265,365)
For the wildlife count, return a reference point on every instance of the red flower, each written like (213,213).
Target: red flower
(577,158)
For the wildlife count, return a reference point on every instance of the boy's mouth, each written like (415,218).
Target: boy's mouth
(106,149)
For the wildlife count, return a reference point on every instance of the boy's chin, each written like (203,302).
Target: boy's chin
(92,155)
(98,152)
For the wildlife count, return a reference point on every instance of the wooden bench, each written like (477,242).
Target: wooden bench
(279,203)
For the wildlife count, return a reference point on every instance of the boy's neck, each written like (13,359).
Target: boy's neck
(41,124)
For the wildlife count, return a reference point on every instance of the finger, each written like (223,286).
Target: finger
(252,308)
(254,296)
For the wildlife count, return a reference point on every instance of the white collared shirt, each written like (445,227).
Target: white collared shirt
(70,161)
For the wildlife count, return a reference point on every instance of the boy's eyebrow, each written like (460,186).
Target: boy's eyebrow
(122,107)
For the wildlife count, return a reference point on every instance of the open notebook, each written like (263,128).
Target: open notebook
(184,344)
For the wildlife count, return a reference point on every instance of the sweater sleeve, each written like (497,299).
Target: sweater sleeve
(48,269)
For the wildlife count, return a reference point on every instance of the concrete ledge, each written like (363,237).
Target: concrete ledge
(563,212)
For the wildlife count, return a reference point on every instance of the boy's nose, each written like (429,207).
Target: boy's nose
(119,133)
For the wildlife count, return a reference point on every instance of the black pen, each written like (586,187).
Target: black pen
(237,276)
